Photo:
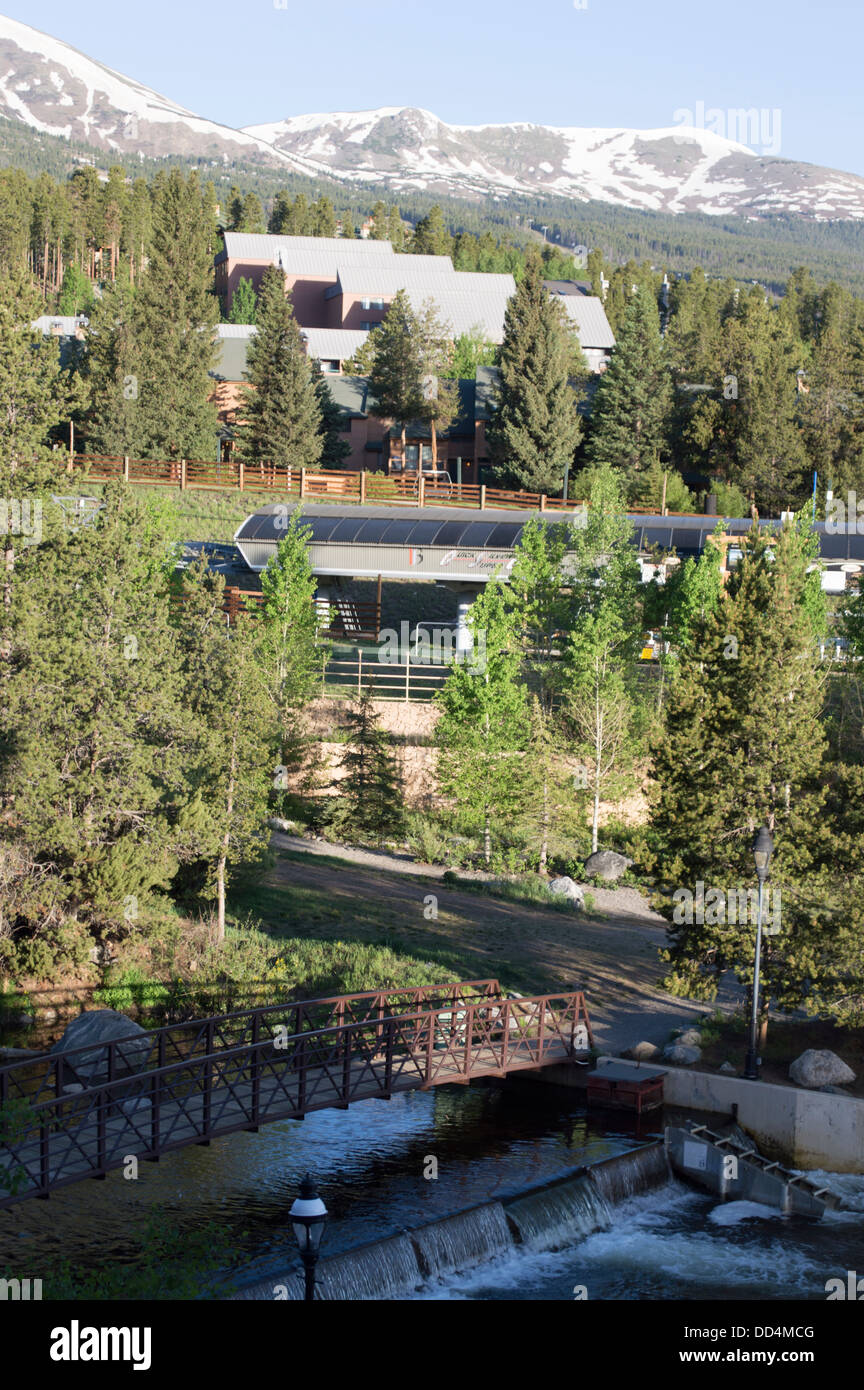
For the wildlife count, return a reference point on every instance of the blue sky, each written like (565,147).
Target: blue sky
(615,62)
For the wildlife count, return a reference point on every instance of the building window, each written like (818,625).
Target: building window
(373,304)
(330,366)
(368,327)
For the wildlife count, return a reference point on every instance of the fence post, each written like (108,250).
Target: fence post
(360,672)
(482,496)
(302,482)
(362,486)
(407,674)
(125,468)
(542,501)
(183,475)
(421,490)
(241,475)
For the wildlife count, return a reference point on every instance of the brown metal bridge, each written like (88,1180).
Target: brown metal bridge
(80,1113)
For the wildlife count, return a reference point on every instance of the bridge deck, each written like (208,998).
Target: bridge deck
(90,1130)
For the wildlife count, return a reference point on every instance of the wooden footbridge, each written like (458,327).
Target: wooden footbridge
(80,1113)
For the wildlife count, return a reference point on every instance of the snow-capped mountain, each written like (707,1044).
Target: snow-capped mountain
(50,86)
(677,169)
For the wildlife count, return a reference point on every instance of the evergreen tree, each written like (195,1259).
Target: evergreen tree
(758,442)
(95,780)
(634,396)
(536,427)
(431,237)
(244,302)
(323,218)
(175,317)
(743,745)
(396,365)
(370,800)
(282,415)
(34,399)
(113,368)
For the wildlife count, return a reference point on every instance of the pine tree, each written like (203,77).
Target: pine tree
(34,399)
(244,302)
(758,443)
(396,366)
(370,799)
(176,314)
(743,745)
(323,218)
(536,427)
(94,782)
(113,370)
(282,414)
(431,237)
(633,399)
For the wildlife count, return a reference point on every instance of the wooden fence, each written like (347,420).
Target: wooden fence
(363,487)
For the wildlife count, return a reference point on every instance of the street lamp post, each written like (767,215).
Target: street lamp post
(763,847)
(309,1217)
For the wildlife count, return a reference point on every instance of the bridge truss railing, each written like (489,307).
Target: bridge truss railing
(40,1078)
(57,1141)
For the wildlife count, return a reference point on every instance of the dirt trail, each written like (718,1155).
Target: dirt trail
(613,958)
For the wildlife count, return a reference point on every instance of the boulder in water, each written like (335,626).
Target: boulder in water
(99,1027)
(607,864)
(815,1069)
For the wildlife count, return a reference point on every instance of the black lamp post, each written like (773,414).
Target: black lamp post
(309,1217)
(763,847)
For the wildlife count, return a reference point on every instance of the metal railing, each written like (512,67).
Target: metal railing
(469,1031)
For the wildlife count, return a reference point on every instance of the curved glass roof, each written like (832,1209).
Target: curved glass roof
(407,531)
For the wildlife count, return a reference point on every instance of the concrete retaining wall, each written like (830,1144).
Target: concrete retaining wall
(802,1129)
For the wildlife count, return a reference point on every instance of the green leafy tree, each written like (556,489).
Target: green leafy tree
(231,756)
(244,302)
(481,732)
(536,426)
(76,292)
(603,705)
(289,650)
(282,414)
